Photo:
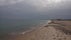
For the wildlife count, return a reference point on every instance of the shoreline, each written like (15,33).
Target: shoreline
(14,34)
(53,30)
(32,29)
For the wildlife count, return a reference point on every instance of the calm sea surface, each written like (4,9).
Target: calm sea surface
(8,25)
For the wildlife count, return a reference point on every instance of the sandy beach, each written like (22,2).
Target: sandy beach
(56,30)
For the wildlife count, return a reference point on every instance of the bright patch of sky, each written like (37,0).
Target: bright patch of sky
(50,4)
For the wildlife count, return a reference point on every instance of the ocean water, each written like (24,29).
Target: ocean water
(13,25)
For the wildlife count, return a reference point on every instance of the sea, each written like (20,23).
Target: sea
(9,26)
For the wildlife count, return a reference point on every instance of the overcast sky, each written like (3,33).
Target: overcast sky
(43,9)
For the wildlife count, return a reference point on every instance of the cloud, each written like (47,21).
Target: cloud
(7,2)
(49,4)
(35,8)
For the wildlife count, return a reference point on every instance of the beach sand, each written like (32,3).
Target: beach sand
(56,30)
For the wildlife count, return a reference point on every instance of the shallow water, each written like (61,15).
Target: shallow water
(11,26)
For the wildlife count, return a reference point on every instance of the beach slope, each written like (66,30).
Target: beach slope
(56,30)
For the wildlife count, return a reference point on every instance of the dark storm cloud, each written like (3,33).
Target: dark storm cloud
(35,9)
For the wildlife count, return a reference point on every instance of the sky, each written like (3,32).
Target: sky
(35,9)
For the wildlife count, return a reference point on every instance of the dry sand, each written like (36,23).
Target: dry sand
(59,30)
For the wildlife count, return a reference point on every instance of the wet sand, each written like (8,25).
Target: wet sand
(56,30)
